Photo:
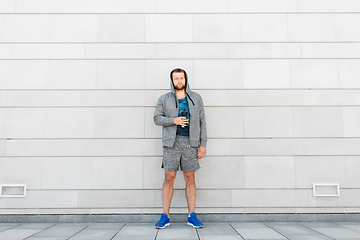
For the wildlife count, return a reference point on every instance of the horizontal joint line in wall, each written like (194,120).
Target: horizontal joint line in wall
(194,89)
(161,13)
(157,156)
(212,138)
(152,138)
(192,42)
(238,106)
(225,106)
(157,207)
(175,59)
(159,189)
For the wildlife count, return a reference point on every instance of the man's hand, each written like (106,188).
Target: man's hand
(183,121)
(201,152)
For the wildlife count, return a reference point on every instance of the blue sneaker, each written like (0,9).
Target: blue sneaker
(163,222)
(193,221)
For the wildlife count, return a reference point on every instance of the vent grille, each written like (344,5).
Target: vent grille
(326,189)
(13,190)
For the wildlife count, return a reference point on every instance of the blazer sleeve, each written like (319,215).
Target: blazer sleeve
(203,133)
(159,116)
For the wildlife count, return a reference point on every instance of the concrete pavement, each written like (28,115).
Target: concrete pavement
(211,231)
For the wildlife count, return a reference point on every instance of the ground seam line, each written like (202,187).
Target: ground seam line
(315,231)
(38,232)
(276,231)
(118,231)
(78,231)
(236,231)
(12,227)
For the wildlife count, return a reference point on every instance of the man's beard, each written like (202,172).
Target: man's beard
(179,87)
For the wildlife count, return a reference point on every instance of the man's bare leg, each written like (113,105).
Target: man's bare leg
(190,190)
(168,189)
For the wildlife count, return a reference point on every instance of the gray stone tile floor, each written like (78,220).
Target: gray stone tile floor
(177,231)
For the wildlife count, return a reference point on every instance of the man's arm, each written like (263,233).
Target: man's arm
(203,133)
(159,115)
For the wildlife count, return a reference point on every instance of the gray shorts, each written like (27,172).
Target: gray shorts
(182,154)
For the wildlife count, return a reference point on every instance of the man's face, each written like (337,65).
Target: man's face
(179,80)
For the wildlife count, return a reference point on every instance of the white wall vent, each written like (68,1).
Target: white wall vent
(326,190)
(13,190)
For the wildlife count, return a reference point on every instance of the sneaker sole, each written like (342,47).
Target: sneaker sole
(168,224)
(190,224)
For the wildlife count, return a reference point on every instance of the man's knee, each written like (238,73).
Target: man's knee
(170,176)
(189,177)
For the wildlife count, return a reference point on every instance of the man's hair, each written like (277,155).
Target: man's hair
(177,70)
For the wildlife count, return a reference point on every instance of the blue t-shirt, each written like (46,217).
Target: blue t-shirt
(183,105)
